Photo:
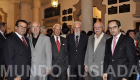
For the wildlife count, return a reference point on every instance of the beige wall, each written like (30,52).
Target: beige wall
(8,7)
(126,19)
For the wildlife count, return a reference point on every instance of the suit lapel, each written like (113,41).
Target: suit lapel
(92,43)
(39,41)
(80,40)
(73,39)
(31,42)
(61,41)
(118,44)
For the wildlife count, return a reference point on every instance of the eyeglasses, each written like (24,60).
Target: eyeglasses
(114,27)
(23,27)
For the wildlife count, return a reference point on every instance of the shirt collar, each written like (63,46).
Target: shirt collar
(100,35)
(55,37)
(118,35)
(37,36)
(19,35)
(1,32)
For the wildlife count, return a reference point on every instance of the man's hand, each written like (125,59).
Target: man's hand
(124,79)
(86,68)
(17,78)
(48,72)
(105,76)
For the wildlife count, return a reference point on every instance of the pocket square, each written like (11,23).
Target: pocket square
(63,44)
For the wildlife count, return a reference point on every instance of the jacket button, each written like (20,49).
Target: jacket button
(76,50)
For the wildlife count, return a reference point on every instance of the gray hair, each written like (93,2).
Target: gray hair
(77,22)
(43,28)
(34,22)
(57,25)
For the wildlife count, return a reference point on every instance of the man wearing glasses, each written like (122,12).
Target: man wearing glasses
(120,55)
(17,53)
(77,45)
(95,52)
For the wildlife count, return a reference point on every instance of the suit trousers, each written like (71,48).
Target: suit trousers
(92,77)
(77,71)
(60,73)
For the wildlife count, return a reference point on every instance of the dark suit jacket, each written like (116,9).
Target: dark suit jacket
(77,55)
(16,53)
(124,54)
(61,57)
(2,39)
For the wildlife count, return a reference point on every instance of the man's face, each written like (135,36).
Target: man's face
(35,28)
(98,28)
(3,28)
(21,28)
(44,32)
(77,28)
(57,30)
(114,29)
(132,34)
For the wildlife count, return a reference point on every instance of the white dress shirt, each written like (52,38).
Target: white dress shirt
(58,39)
(118,36)
(97,40)
(2,34)
(21,37)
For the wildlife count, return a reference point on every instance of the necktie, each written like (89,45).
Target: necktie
(24,42)
(114,45)
(58,44)
(76,42)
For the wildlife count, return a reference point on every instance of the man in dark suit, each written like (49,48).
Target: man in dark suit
(2,39)
(17,53)
(77,45)
(59,54)
(120,55)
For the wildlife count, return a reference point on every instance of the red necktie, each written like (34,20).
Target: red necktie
(114,45)
(24,42)
(58,44)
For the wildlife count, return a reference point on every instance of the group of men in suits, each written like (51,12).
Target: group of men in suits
(37,56)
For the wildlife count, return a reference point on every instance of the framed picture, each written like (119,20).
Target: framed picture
(112,2)
(51,12)
(64,12)
(124,8)
(112,10)
(69,10)
(70,18)
(64,18)
(120,1)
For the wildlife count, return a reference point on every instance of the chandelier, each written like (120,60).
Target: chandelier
(54,3)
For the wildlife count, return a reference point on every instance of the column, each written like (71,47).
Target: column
(16,12)
(87,15)
(36,7)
